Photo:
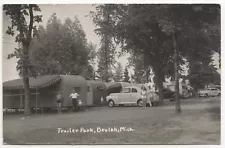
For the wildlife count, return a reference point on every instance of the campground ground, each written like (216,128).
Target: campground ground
(199,123)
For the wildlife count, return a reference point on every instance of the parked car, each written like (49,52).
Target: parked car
(130,95)
(169,94)
(209,92)
(215,86)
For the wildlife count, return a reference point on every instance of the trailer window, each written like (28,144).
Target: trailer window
(99,88)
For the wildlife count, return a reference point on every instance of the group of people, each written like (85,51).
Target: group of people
(144,96)
(74,97)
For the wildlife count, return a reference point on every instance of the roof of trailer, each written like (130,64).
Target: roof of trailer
(38,82)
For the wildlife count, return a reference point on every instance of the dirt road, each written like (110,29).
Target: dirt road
(199,123)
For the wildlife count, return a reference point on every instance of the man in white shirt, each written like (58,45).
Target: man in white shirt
(74,96)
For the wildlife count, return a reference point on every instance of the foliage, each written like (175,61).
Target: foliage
(139,33)
(163,35)
(202,75)
(62,48)
(19,15)
(106,53)
(118,76)
(139,72)
(126,75)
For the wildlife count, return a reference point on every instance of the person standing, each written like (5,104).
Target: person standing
(74,96)
(59,99)
(144,96)
(148,97)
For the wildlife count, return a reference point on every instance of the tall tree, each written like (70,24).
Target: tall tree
(126,75)
(179,21)
(62,48)
(102,19)
(118,76)
(19,14)
(160,33)
(203,75)
(139,69)
(141,35)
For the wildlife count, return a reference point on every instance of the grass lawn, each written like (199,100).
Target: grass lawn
(199,123)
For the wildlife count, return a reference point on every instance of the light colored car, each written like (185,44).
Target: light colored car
(209,92)
(130,95)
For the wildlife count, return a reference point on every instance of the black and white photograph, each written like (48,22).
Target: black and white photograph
(111,74)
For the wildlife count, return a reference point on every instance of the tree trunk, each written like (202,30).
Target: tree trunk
(25,62)
(159,83)
(25,76)
(107,50)
(147,75)
(219,59)
(176,64)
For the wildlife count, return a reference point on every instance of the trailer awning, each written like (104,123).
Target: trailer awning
(38,82)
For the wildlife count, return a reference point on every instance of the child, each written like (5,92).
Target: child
(59,102)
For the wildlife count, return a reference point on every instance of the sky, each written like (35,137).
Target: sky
(62,11)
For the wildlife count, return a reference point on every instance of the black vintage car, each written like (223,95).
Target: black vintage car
(169,94)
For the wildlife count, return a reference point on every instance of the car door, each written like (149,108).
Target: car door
(208,91)
(125,96)
(135,95)
(166,93)
(214,92)
(211,91)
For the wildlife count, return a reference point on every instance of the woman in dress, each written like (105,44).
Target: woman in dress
(149,97)
(144,96)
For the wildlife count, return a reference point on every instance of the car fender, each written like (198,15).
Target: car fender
(115,99)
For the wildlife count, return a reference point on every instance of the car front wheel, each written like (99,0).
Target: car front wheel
(111,103)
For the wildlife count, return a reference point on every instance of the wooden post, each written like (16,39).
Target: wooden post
(21,99)
(36,100)
(40,104)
